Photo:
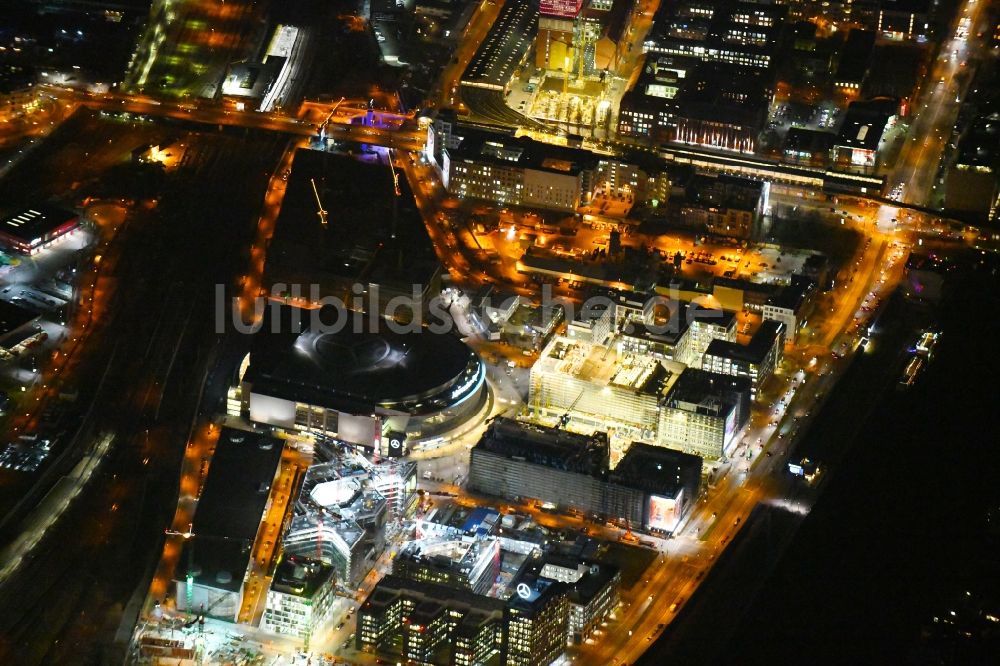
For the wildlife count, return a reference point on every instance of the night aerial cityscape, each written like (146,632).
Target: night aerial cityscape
(499,332)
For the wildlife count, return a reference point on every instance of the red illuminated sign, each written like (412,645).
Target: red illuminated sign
(561,8)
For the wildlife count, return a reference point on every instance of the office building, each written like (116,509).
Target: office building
(735,33)
(756,360)
(725,206)
(722,105)
(471,563)
(807,146)
(791,305)
(905,20)
(705,413)
(972,185)
(300,597)
(537,621)
(593,598)
(339,517)
(652,487)
(853,61)
(518,171)
(429,623)
(706,325)
(646,109)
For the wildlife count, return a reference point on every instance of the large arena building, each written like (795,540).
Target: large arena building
(366,384)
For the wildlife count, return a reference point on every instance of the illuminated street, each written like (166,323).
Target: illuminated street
(497,332)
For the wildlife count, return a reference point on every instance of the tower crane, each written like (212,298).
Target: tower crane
(564,419)
(323,125)
(319,204)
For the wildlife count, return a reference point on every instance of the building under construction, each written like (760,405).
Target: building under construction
(350,224)
(345,506)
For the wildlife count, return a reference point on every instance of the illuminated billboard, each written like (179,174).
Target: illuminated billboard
(662,513)
(561,8)
(730,440)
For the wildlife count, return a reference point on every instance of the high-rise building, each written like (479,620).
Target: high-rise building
(756,360)
(705,413)
(300,596)
(429,623)
(537,623)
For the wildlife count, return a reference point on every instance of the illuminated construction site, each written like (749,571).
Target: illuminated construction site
(601,388)
(579,46)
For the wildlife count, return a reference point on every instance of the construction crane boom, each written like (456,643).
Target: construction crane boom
(319,204)
(323,125)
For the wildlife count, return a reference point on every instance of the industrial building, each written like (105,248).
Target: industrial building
(756,360)
(30,230)
(705,413)
(359,381)
(234,498)
(300,597)
(652,487)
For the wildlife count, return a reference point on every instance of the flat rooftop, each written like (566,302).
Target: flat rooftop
(506,150)
(725,93)
(855,55)
(605,366)
(707,389)
(392,587)
(300,576)
(754,351)
(373,236)
(231,506)
(657,470)
(504,47)
(31,224)
(552,447)
(13,317)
